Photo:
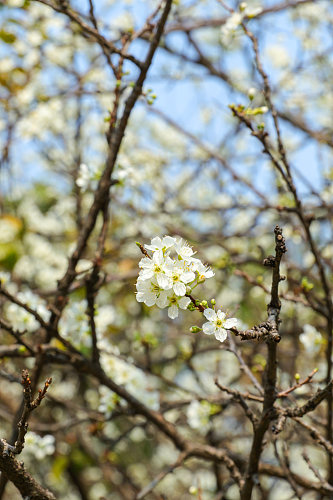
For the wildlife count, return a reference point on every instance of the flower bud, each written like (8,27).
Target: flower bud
(204,303)
(195,329)
(213,302)
(251,93)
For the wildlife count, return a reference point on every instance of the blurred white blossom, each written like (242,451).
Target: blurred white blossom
(39,446)
(88,176)
(198,416)
(311,339)
(22,319)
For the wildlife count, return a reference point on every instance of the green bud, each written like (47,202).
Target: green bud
(297,377)
(204,303)
(195,329)
(306,285)
(213,302)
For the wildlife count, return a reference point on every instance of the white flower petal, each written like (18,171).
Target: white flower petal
(210,314)
(158,258)
(140,297)
(184,302)
(220,314)
(230,323)
(162,300)
(145,262)
(168,241)
(146,274)
(179,288)
(150,299)
(208,328)
(187,277)
(156,244)
(221,334)
(173,311)
(164,281)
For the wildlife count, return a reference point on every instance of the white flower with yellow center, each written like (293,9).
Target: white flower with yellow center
(218,324)
(180,276)
(183,250)
(151,293)
(311,339)
(155,267)
(175,303)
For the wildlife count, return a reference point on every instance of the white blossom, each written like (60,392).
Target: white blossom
(135,381)
(311,339)
(180,276)
(218,324)
(175,302)
(155,267)
(22,319)
(161,244)
(39,446)
(88,177)
(198,415)
(74,325)
(183,250)
(149,292)
(229,28)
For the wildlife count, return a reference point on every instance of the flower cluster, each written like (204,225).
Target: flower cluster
(39,446)
(135,381)
(168,276)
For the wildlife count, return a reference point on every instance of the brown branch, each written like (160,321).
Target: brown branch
(16,473)
(105,182)
(147,489)
(89,31)
(29,405)
(273,311)
(275,471)
(238,397)
(307,380)
(311,404)
(315,435)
